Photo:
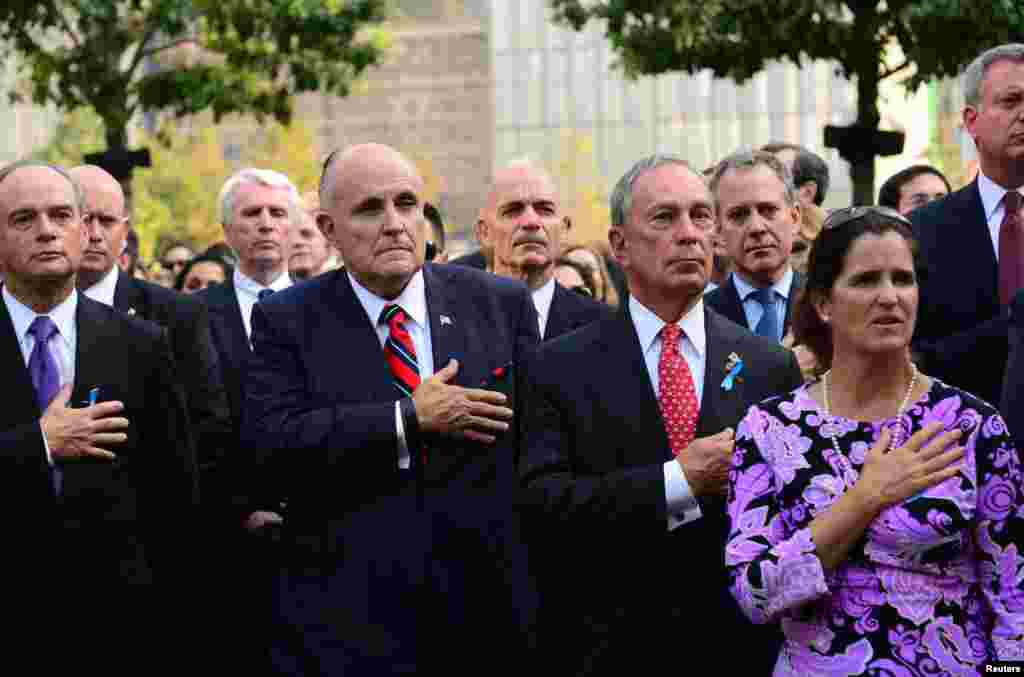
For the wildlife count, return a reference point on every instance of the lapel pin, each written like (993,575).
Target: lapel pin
(446,320)
(733,367)
(131,311)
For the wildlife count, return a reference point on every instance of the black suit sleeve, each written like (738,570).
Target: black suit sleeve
(23,460)
(199,369)
(283,428)
(631,498)
(170,497)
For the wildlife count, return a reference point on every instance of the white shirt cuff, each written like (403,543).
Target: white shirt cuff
(403,448)
(46,446)
(682,504)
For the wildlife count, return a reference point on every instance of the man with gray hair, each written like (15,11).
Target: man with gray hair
(628,437)
(758,217)
(972,240)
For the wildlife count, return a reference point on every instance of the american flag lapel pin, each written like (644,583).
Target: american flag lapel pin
(131,311)
(446,320)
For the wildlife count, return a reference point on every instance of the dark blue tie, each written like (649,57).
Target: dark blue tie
(42,369)
(264,293)
(768,325)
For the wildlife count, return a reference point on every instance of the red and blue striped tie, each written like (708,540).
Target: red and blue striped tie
(399,351)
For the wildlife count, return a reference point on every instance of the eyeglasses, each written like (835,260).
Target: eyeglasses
(580,289)
(847,215)
(171,265)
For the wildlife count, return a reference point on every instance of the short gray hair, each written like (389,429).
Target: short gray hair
(975,73)
(621,200)
(262,177)
(745,160)
(24,164)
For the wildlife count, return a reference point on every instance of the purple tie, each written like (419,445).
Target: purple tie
(41,365)
(42,368)
(1011,248)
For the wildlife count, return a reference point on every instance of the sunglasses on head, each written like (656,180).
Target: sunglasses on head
(580,289)
(848,215)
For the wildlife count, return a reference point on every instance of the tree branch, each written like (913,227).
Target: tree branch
(170,45)
(140,53)
(67,26)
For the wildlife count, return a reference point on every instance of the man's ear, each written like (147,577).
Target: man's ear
(619,246)
(823,306)
(480,231)
(326,225)
(808,191)
(567,224)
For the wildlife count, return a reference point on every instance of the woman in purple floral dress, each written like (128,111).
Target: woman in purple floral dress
(877,514)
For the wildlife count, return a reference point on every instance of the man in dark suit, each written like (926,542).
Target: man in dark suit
(523,225)
(96,446)
(758,216)
(971,240)
(381,397)
(627,441)
(186,319)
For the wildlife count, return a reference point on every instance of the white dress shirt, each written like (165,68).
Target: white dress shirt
(103,291)
(752,308)
(682,504)
(542,299)
(247,291)
(413,300)
(62,345)
(992,200)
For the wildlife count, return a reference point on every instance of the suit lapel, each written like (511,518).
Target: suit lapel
(636,403)
(719,407)
(128,298)
(733,309)
(798,284)
(560,320)
(20,405)
(95,350)
(974,241)
(448,336)
(231,318)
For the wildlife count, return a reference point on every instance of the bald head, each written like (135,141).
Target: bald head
(371,210)
(106,221)
(522,225)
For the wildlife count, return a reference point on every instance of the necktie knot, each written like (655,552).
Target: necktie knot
(264,293)
(43,329)
(765,296)
(670,336)
(1012,201)
(393,315)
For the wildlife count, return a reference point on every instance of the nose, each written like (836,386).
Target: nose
(394,222)
(887,293)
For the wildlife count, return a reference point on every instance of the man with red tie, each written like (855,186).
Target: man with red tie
(627,441)
(971,240)
(382,397)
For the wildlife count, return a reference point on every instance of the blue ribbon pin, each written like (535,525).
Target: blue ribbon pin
(730,378)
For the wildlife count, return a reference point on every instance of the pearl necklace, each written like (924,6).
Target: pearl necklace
(903,405)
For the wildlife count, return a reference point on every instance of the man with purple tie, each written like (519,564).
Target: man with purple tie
(94,442)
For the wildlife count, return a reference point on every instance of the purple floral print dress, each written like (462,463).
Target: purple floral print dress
(936,584)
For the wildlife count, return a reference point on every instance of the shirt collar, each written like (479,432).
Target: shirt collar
(782,287)
(63,315)
(103,291)
(648,325)
(991,195)
(253,288)
(543,296)
(413,299)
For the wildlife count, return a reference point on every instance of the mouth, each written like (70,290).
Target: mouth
(760,250)
(266,244)
(48,256)
(526,242)
(888,321)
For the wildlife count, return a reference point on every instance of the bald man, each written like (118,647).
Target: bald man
(95,451)
(524,228)
(185,319)
(383,398)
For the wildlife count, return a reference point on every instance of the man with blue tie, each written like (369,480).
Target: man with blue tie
(94,444)
(758,216)
(382,397)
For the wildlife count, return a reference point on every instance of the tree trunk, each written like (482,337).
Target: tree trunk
(862,165)
(117,141)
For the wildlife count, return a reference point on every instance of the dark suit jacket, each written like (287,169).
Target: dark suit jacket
(959,317)
(725,300)
(187,323)
(229,340)
(391,570)
(118,537)
(570,311)
(618,584)
(1013,385)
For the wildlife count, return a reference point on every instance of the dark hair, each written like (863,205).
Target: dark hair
(584,272)
(824,266)
(807,166)
(222,251)
(433,215)
(206,257)
(174,244)
(131,249)
(889,193)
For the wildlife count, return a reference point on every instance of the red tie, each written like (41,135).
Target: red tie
(1011,248)
(677,396)
(400,354)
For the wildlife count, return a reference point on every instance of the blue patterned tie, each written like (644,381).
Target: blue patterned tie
(264,293)
(42,369)
(768,325)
